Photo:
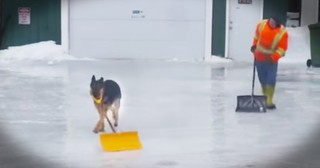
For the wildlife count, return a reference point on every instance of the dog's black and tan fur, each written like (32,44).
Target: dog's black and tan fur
(106,96)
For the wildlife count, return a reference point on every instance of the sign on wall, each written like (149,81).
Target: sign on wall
(137,14)
(244,1)
(24,14)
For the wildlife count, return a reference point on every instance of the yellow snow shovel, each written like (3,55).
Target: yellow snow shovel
(118,141)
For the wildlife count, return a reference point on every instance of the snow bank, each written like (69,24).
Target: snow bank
(42,51)
(298,45)
(213,59)
(218,59)
(33,59)
(46,51)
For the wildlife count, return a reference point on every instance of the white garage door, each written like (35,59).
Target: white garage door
(152,29)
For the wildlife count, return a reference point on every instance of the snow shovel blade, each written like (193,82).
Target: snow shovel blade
(120,141)
(251,103)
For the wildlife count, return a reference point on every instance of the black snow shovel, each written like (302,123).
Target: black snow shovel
(252,103)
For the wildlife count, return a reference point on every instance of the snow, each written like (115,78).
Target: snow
(298,46)
(42,51)
(183,111)
(46,51)
(44,54)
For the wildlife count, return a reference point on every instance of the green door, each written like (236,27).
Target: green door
(30,21)
(218,27)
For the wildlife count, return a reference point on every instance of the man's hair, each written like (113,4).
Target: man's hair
(277,20)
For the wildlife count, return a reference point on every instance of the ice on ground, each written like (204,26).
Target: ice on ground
(183,111)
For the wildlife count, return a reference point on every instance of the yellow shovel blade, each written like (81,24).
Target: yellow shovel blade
(120,141)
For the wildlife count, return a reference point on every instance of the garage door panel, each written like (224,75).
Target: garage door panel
(122,30)
(139,50)
(111,31)
(152,9)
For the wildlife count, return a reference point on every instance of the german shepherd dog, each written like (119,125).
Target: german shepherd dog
(106,96)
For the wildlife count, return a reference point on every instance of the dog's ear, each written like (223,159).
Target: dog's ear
(101,79)
(93,78)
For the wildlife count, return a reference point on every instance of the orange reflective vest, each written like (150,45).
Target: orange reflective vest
(270,42)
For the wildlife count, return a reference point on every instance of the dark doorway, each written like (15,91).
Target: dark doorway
(294,13)
(272,8)
(1,25)
(218,27)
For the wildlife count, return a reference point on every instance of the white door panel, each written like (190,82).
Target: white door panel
(243,19)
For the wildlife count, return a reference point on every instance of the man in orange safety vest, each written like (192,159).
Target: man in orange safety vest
(270,43)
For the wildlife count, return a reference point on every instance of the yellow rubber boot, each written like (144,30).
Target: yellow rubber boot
(269,94)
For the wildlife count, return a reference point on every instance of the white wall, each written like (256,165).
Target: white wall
(208,31)
(65,24)
(309,12)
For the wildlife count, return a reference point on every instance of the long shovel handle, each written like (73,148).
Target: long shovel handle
(254,76)
(111,126)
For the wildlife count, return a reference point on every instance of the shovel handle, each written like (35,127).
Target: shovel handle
(253,76)
(111,126)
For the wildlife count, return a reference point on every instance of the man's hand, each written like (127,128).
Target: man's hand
(253,48)
(275,57)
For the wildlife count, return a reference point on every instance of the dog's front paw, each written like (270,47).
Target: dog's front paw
(97,131)
(99,127)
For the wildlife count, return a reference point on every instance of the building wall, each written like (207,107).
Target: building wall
(217,25)
(309,12)
(44,17)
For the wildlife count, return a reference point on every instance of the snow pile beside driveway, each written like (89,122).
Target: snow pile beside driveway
(298,46)
(42,51)
(45,51)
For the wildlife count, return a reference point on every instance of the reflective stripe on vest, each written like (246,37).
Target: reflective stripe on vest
(278,37)
(275,41)
(261,27)
(280,51)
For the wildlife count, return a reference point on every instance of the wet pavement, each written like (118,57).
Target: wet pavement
(184,113)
